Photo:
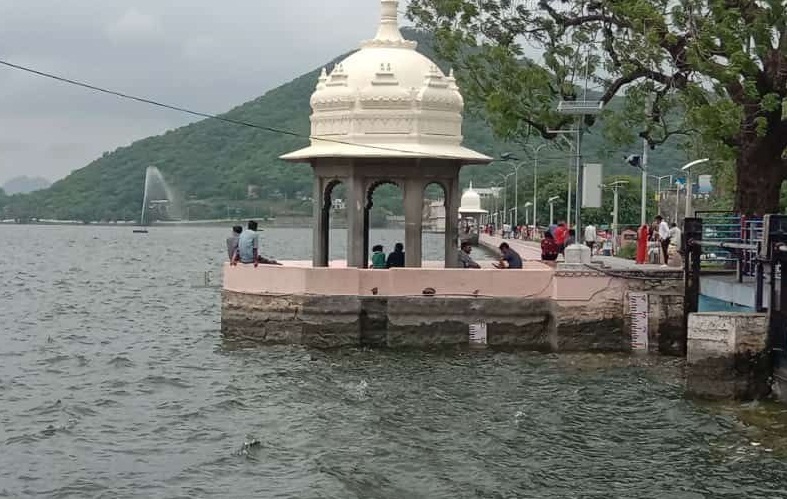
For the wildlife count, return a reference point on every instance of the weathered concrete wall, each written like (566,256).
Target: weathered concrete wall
(397,322)
(601,321)
(538,307)
(727,356)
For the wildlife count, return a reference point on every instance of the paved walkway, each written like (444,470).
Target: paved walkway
(531,250)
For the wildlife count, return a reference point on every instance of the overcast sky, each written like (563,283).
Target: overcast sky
(203,54)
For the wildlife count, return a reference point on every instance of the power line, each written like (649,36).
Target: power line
(151,102)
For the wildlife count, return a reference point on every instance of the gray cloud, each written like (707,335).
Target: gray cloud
(201,54)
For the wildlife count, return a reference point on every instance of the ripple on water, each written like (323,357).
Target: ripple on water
(155,402)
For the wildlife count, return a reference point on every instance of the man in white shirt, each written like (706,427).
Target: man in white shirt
(664,237)
(591,237)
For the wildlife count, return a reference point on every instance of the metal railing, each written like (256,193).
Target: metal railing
(731,242)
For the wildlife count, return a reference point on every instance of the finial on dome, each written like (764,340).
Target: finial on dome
(471,182)
(389,22)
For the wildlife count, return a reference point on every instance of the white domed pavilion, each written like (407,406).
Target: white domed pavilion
(385,114)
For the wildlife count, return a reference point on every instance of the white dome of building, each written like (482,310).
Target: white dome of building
(387,100)
(471,202)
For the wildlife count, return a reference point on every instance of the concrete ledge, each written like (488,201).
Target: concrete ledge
(727,356)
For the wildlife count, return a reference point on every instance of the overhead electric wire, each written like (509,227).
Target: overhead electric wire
(151,102)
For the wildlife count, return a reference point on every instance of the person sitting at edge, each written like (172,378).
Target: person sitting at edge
(249,245)
(549,248)
(465,261)
(232,243)
(510,259)
(396,257)
(378,257)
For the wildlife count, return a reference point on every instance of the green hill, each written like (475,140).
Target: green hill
(211,164)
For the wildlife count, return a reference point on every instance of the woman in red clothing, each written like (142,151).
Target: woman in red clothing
(560,235)
(549,248)
(642,244)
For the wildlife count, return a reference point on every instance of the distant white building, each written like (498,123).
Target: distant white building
(434,215)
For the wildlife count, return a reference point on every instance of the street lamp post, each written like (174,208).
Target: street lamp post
(527,212)
(505,194)
(551,202)
(689,194)
(535,150)
(658,195)
(615,186)
(580,109)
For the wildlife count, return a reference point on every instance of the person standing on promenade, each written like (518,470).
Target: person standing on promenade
(591,237)
(663,237)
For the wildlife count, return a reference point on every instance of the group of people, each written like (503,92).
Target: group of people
(665,235)
(243,246)
(394,259)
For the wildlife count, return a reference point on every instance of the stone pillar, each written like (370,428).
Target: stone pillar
(356,234)
(452,199)
(367,209)
(728,355)
(322,218)
(413,221)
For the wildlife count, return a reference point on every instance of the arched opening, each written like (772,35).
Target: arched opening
(434,222)
(383,217)
(333,215)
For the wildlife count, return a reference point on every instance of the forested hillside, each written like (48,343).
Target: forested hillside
(211,164)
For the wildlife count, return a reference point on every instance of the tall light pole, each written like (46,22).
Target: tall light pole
(505,194)
(580,109)
(689,194)
(615,186)
(527,211)
(535,150)
(551,202)
(507,156)
(658,195)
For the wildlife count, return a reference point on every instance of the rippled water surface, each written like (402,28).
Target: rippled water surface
(115,382)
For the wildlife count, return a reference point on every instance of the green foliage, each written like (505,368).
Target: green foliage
(212,163)
(628,251)
(705,73)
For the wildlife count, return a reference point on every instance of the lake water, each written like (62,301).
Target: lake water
(116,382)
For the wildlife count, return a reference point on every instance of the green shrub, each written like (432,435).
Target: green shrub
(628,251)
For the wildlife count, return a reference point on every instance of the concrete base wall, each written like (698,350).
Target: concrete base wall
(726,356)
(534,323)
(396,322)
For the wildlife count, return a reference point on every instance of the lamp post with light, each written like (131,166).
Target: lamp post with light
(551,202)
(689,194)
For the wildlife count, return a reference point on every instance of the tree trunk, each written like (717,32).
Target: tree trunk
(759,176)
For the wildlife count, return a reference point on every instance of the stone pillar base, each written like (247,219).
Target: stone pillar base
(727,356)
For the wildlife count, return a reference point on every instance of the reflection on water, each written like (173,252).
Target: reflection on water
(116,382)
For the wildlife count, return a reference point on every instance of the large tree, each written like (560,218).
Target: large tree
(711,70)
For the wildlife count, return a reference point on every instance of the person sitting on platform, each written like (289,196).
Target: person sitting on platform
(396,257)
(465,261)
(249,247)
(549,248)
(378,257)
(232,243)
(510,259)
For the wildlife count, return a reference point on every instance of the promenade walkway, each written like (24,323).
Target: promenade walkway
(531,250)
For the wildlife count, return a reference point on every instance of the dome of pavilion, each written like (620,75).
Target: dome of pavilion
(471,202)
(387,100)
